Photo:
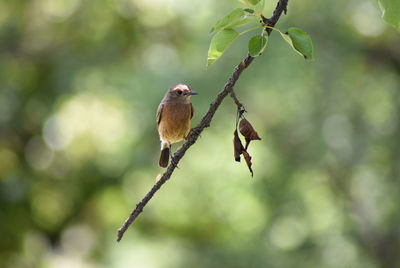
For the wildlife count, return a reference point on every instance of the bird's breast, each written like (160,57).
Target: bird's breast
(175,121)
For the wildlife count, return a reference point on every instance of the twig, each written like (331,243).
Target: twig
(205,122)
(236,101)
(281,6)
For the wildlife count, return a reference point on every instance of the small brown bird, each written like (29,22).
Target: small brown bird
(173,119)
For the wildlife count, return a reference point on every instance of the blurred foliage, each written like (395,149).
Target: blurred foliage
(80,84)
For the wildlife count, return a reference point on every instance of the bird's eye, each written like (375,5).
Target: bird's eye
(179,92)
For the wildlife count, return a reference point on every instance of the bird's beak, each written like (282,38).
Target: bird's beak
(192,93)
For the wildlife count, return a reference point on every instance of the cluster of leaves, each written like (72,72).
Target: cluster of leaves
(248,132)
(230,27)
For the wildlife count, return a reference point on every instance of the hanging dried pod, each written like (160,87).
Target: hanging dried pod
(247,130)
(247,157)
(237,146)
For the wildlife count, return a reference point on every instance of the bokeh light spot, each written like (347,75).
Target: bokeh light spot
(37,154)
(287,233)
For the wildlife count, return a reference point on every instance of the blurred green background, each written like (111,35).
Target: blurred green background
(80,82)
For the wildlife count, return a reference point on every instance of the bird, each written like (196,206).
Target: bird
(173,119)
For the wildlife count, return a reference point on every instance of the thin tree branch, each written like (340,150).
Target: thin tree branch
(204,123)
(239,105)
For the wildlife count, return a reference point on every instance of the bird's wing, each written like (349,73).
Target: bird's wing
(159,112)
(191,111)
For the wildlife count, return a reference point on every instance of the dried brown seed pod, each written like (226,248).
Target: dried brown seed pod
(237,146)
(248,131)
(247,157)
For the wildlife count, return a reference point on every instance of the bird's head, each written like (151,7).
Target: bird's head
(181,92)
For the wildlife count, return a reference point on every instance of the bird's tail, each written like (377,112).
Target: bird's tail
(164,157)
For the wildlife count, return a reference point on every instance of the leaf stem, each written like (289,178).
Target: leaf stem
(252,29)
(273,28)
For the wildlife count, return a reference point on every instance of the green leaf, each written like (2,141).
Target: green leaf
(300,41)
(219,43)
(287,39)
(249,10)
(232,17)
(250,2)
(257,45)
(391,12)
(243,21)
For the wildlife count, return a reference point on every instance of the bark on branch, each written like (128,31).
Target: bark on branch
(205,122)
